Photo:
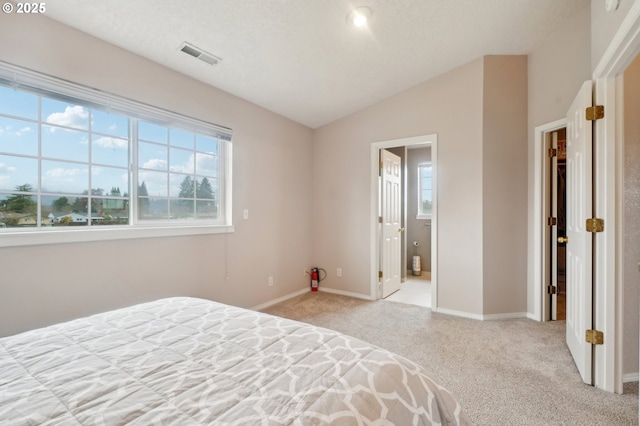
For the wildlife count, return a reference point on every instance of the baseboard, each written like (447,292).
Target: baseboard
(458,313)
(532,316)
(480,317)
(630,377)
(345,293)
(307,290)
(281,299)
(511,315)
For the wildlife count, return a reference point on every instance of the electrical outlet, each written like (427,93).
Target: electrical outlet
(245,214)
(270,281)
(339,272)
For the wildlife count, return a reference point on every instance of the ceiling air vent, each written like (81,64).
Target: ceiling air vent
(196,52)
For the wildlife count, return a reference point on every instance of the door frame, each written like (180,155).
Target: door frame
(541,240)
(609,134)
(608,255)
(374,228)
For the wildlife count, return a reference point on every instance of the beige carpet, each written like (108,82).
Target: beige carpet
(506,372)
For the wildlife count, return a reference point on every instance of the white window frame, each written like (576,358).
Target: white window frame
(419,214)
(33,81)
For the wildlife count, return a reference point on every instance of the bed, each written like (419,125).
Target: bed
(188,361)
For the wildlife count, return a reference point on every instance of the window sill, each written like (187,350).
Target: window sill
(424,217)
(41,237)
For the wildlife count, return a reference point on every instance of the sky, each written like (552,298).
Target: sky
(71,134)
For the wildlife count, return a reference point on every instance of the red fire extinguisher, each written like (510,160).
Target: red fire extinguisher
(315,279)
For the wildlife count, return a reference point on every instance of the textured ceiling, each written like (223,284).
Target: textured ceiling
(300,58)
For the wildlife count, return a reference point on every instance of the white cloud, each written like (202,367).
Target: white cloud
(205,164)
(61,172)
(73,116)
(10,132)
(186,167)
(155,163)
(109,142)
(6,171)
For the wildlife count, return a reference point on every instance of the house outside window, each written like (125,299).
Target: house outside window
(84,161)
(425,191)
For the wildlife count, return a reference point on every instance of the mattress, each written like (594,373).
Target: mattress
(188,361)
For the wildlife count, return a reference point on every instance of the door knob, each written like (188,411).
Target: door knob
(563,240)
(400,229)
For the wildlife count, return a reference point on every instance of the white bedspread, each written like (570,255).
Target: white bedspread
(186,361)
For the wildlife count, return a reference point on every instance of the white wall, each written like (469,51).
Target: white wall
(341,186)
(450,105)
(40,285)
(557,67)
(504,183)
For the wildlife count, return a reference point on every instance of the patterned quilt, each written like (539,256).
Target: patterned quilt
(186,361)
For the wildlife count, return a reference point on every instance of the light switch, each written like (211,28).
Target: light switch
(245,214)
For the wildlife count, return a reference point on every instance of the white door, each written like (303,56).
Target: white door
(391,198)
(580,244)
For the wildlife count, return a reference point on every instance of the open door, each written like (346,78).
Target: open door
(391,198)
(579,243)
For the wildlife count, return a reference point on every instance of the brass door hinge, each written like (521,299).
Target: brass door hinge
(552,221)
(379,274)
(595,224)
(595,112)
(594,337)
(552,152)
(379,219)
(551,289)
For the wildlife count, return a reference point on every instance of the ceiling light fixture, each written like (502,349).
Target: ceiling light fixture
(359,16)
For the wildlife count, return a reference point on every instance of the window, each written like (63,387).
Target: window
(76,159)
(425,191)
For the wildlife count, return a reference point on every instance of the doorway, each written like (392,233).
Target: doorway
(415,288)
(377,261)
(557,240)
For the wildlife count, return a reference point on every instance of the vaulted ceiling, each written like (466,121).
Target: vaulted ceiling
(302,59)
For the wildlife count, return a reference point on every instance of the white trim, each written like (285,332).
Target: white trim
(103,233)
(619,235)
(512,315)
(345,293)
(479,317)
(608,258)
(536,279)
(622,50)
(630,377)
(281,299)
(373,241)
(458,313)
(624,46)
